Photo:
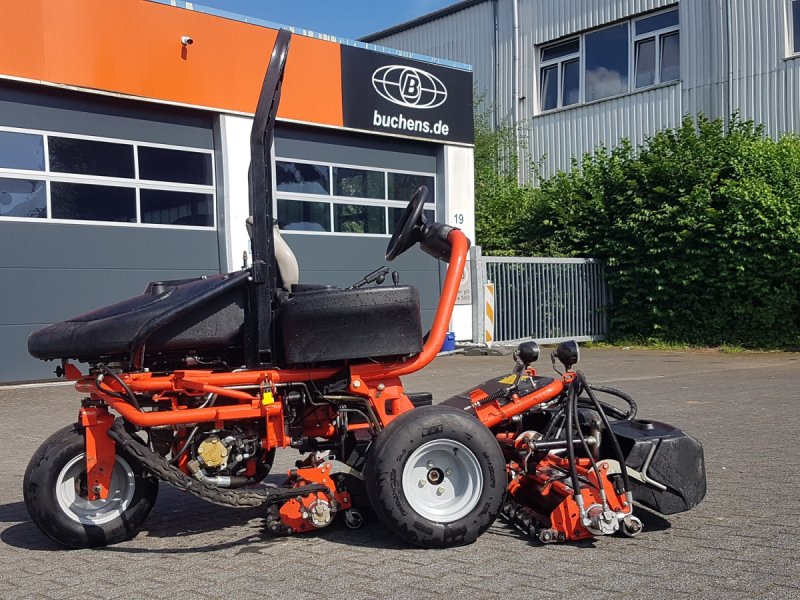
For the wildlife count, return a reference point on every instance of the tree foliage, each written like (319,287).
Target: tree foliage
(500,201)
(699,228)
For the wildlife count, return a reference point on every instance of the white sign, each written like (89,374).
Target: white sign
(465,288)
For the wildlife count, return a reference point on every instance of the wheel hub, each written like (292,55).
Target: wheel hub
(442,480)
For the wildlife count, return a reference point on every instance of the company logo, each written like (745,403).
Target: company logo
(409,86)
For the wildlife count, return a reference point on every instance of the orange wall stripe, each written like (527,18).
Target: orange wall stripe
(133,47)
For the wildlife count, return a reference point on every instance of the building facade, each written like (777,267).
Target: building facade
(576,74)
(124,156)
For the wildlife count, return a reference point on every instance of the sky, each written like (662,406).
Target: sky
(343,18)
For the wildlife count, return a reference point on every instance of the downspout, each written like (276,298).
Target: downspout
(496,49)
(728,90)
(515,63)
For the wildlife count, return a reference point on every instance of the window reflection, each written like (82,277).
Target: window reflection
(296,215)
(179,166)
(645,63)
(359,183)
(176,208)
(302,178)
(85,202)
(21,151)
(607,62)
(90,157)
(23,198)
(403,185)
(354,218)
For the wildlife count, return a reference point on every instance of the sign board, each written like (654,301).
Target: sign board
(391,94)
(465,288)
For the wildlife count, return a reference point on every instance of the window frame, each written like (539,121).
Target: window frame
(135,183)
(558,62)
(332,199)
(656,34)
(792,35)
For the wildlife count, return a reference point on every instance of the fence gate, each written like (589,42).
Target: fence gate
(546,299)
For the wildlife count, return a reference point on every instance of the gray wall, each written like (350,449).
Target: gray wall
(735,55)
(343,260)
(51,271)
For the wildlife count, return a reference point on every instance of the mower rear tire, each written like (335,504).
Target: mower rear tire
(436,477)
(54,488)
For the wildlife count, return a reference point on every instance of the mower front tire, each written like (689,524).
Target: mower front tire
(436,477)
(55,494)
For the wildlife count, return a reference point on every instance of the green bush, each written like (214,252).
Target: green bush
(699,228)
(500,201)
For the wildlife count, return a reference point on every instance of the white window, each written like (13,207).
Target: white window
(560,74)
(657,53)
(60,177)
(614,60)
(345,199)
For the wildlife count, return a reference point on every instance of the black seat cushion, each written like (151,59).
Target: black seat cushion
(187,315)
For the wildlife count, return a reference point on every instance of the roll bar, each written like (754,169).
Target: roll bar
(258,326)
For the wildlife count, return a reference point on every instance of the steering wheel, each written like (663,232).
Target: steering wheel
(408,229)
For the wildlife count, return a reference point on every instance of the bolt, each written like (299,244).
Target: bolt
(381,387)
(439,491)
(430,464)
(356,384)
(448,472)
(200,450)
(97,489)
(421,483)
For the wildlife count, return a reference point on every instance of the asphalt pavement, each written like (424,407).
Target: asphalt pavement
(741,542)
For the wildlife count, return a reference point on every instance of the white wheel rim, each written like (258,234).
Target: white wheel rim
(94,512)
(442,480)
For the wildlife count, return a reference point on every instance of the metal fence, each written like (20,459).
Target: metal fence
(546,299)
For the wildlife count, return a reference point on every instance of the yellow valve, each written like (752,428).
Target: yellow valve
(267,398)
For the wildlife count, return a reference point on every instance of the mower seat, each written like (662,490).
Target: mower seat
(185,316)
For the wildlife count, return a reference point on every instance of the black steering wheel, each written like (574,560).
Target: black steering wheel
(408,230)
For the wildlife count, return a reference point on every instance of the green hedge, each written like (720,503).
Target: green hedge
(699,227)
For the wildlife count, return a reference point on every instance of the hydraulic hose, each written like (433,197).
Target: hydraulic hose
(128,391)
(588,450)
(572,398)
(614,441)
(613,410)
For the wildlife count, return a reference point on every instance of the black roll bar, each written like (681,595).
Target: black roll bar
(258,340)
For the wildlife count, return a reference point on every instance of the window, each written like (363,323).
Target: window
(560,74)
(796,26)
(23,198)
(344,199)
(657,53)
(21,151)
(60,177)
(606,62)
(179,166)
(597,64)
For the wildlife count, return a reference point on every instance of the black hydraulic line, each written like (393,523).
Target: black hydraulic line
(128,391)
(586,446)
(614,441)
(619,394)
(572,396)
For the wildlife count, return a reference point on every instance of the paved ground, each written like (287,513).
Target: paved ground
(742,542)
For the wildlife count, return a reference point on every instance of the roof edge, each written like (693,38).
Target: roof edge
(442,12)
(224,14)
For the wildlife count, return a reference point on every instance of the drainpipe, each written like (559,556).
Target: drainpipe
(496,49)
(515,63)
(728,90)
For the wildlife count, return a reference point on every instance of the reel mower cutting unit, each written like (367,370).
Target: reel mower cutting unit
(208,377)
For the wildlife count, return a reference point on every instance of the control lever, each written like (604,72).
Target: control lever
(378,276)
(395,278)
